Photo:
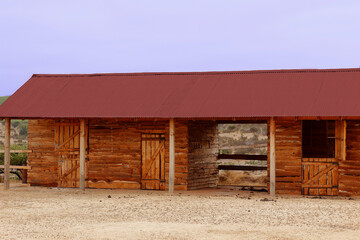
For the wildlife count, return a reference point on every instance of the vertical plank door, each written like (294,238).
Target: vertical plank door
(67,149)
(153,161)
(320,176)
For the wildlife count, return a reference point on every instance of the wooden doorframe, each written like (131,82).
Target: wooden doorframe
(325,166)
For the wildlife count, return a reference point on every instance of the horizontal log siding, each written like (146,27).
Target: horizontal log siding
(349,169)
(42,159)
(288,154)
(115,152)
(203,150)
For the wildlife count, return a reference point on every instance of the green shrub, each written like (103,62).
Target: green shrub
(16,158)
(23,129)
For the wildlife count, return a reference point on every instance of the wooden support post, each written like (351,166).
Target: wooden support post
(340,140)
(7,155)
(344,140)
(82,154)
(172,156)
(272,157)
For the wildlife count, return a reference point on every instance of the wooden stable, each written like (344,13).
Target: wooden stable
(158,131)
(135,154)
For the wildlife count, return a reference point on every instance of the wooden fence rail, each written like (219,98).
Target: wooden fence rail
(242,168)
(16,167)
(17,151)
(243,157)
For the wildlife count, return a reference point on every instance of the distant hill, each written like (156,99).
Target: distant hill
(3,99)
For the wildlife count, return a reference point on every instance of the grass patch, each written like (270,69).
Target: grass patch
(3,99)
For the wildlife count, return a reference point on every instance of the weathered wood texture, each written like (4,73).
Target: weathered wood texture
(181,155)
(272,158)
(153,161)
(349,169)
(320,176)
(115,152)
(203,150)
(7,154)
(171,155)
(288,156)
(42,157)
(67,149)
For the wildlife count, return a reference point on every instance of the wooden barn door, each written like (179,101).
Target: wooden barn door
(153,161)
(320,176)
(67,149)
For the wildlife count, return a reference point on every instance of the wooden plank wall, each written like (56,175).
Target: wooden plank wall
(42,159)
(203,150)
(349,169)
(288,156)
(114,152)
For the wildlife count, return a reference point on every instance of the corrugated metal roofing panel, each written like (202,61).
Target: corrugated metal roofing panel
(323,92)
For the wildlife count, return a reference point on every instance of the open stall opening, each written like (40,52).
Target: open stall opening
(18,150)
(319,160)
(318,139)
(242,159)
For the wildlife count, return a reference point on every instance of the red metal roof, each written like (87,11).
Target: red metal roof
(323,92)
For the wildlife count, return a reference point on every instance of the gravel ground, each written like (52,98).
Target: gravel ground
(51,213)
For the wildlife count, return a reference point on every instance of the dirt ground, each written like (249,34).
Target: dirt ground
(51,213)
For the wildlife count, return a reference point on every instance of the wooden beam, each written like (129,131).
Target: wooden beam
(242,168)
(82,154)
(272,157)
(7,154)
(344,126)
(17,151)
(340,140)
(16,167)
(243,157)
(172,155)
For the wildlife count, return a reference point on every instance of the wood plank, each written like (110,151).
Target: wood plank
(154,156)
(320,186)
(243,157)
(7,154)
(246,168)
(82,154)
(16,167)
(317,163)
(17,151)
(171,155)
(317,175)
(272,157)
(69,171)
(68,138)
(114,184)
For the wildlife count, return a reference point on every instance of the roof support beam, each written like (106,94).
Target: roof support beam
(7,154)
(82,154)
(272,157)
(171,155)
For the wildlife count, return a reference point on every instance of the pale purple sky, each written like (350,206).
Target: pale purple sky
(141,36)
